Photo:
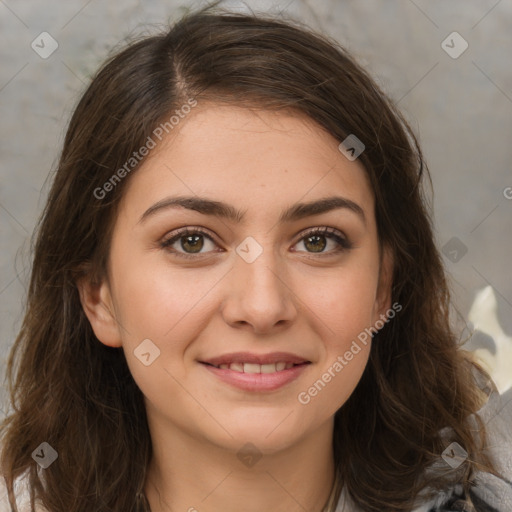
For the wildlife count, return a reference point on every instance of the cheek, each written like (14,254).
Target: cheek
(166,306)
(163,308)
(342,302)
(155,301)
(343,307)
(335,381)
(345,322)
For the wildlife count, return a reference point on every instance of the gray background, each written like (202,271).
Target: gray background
(460,108)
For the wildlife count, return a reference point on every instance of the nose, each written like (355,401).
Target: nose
(259,297)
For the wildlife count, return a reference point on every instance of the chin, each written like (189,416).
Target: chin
(269,433)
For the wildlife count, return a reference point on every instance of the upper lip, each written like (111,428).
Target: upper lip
(249,357)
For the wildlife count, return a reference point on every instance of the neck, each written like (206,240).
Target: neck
(188,474)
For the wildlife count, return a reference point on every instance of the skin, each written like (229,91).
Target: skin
(290,298)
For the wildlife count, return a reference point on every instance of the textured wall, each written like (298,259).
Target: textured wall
(460,105)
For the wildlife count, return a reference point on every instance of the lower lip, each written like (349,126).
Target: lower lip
(257,381)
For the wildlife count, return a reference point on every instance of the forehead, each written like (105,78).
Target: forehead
(254,159)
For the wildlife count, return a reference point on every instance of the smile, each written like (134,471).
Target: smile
(256,368)
(256,373)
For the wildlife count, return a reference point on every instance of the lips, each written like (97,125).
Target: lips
(257,372)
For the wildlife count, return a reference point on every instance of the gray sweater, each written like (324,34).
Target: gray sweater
(490,493)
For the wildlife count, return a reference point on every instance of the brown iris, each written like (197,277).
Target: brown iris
(318,242)
(193,242)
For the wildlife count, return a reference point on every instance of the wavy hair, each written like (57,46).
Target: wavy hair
(72,391)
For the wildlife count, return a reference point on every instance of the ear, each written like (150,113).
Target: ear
(97,304)
(385,284)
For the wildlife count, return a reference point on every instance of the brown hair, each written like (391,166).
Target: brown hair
(74,392)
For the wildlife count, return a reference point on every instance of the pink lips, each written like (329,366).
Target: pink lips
(256,381)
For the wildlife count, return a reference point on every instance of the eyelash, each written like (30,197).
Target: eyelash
(344,243)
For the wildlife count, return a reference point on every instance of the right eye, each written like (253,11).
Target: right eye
(189,241)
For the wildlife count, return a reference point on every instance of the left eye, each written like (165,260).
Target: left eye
(192,241)
(317,240)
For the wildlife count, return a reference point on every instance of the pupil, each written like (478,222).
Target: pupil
(316,246)
(195,246)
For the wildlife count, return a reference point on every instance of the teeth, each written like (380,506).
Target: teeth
(252,368)
(256,368)
(268,368)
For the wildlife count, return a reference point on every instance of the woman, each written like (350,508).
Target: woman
(236,302)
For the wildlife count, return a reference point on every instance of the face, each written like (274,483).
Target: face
(251,293)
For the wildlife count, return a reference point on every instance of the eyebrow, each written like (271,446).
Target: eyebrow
(219,209)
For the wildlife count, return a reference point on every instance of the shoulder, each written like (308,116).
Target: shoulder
(488,493)
(22,495)
(489,490)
